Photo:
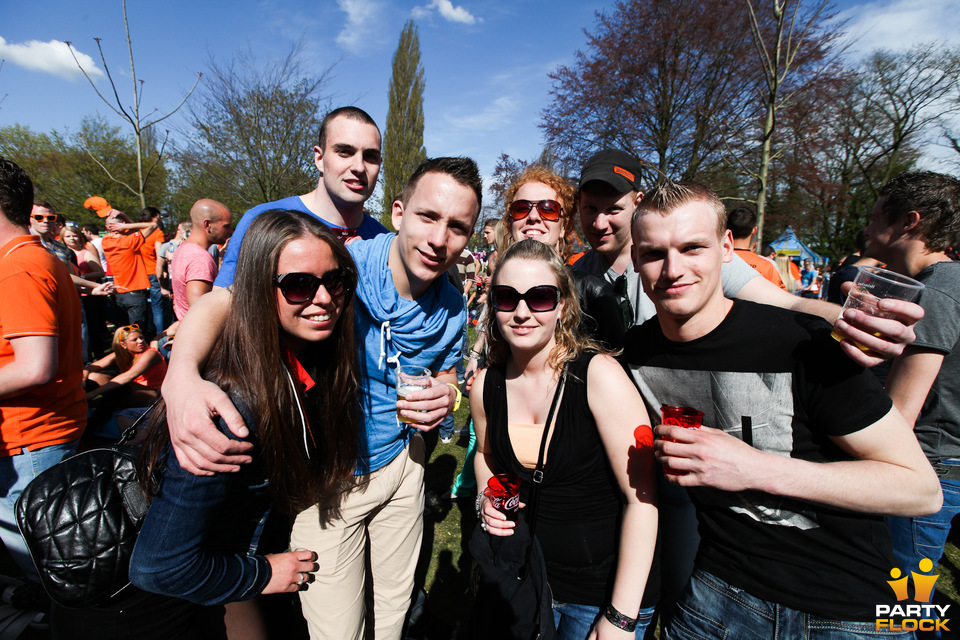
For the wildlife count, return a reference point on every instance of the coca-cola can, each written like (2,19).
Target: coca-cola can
(503,490)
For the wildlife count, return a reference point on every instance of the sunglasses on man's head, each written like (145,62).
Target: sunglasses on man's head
(544,297)
(302,287)
(549,209)
(44,217)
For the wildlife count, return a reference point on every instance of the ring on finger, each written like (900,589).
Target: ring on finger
(302,579)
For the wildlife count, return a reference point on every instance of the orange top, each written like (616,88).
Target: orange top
(152,378)
(37,298)
(149,250)
(123,256)
(794,270)
(766,268)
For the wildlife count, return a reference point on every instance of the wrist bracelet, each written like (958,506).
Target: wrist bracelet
(619,620)
(478,503)
(456,403)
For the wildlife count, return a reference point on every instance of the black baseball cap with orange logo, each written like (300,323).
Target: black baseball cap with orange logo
(617,168)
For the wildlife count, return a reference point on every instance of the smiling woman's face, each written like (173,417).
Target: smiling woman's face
(534,226)
(312,320)
(521,328)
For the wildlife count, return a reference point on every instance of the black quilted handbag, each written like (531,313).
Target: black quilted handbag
(80,519)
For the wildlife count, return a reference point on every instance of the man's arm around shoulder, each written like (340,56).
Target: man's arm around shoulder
(192,403)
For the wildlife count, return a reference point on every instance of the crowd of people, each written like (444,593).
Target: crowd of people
(286,475)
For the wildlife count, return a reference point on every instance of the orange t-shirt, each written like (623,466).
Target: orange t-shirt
(37,298)
(152,378)
(123,255)
(149,250)
(766,268)
(795,271)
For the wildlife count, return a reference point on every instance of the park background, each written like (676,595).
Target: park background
(871,90)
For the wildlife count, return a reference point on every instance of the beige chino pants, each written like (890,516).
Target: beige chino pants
(387,508)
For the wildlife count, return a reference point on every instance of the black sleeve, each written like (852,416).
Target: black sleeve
(602,318)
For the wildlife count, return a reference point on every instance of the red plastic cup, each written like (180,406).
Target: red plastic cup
(503,490)
(680,417)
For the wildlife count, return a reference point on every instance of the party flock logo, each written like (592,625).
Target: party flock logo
(923,615)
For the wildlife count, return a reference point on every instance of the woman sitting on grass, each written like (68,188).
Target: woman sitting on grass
(140,368)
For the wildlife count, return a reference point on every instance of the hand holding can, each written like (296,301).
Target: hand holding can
(503,490)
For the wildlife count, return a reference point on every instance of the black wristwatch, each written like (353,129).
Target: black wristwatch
(619,620)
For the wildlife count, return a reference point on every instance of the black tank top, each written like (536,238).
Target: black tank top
(578,520)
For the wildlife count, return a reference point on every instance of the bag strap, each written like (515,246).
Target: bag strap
(130,432)
(538,472)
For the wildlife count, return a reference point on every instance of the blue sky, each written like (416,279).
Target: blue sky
(486,61)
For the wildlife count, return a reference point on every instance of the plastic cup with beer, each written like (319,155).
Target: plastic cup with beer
(680,417)
(872,285)
(503,490)
(410,378)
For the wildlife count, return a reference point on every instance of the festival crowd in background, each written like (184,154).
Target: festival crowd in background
(673,430)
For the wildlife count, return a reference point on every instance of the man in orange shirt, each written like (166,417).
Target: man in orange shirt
(148,250)
(122,247)
(42,407)
(742,223)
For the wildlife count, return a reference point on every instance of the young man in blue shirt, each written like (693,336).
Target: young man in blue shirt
(348,159)
(407,312)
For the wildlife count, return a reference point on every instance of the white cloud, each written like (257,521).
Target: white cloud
(446,10)
(496,115)
(48,57)
(899,24)
(360,29)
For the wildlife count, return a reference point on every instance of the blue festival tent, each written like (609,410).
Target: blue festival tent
(789,244)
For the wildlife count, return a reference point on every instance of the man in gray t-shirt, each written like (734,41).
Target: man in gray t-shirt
(609,191)
(913,225)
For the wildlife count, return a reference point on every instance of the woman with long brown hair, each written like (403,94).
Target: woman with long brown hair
(287,358)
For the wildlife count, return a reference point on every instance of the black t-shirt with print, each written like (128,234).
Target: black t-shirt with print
(776,379)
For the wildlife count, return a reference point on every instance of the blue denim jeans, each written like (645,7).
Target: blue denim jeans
(16,472)
(711,608)
(574,621)
(925,536)
(155,299)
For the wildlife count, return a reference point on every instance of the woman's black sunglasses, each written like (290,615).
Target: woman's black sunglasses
(302,287)
(544,297)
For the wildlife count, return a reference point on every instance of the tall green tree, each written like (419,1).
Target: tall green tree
(403,141)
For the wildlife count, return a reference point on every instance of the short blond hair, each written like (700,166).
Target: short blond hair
(665,198)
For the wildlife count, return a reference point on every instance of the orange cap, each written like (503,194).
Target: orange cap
(98,204)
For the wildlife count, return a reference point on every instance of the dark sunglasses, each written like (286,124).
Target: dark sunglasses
(44,217)
(302,287)
(544,297)
(549,209)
